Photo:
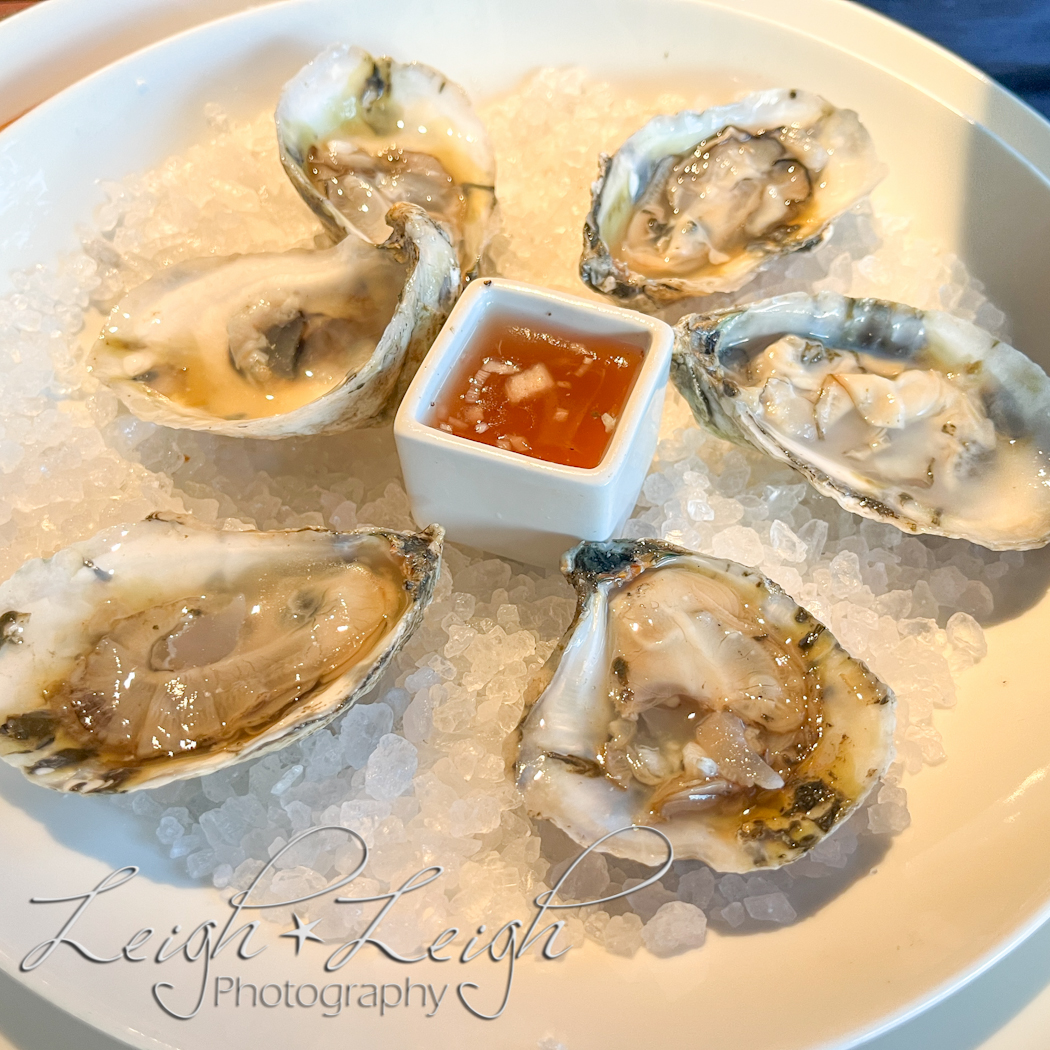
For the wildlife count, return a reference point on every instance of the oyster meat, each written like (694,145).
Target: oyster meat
(911,417)
(164,650)
(276,344)
(357,134)
(694,696)
(695,203)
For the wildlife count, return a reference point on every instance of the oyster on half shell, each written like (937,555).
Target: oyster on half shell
(911,417)
(357,134)
(276,344)
(694,696)
(164,650)
(695,203)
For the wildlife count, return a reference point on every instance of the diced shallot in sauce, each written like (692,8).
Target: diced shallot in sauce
(553,395)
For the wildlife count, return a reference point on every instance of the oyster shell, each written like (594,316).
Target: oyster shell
(357,134)
(695,203)
(275,344)
(911,417)
(693,695)
(163,650)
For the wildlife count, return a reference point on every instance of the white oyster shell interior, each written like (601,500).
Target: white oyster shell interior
(275,344)
(163,650)
(912,417)
(357,134)
(694,203)
(693,696)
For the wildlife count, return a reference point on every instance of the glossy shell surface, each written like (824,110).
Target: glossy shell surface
(911,417)
(280,344)
(692,695)
(358,133)
(695,202)
(163,650)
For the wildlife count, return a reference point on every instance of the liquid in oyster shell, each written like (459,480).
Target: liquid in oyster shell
(164,650)
(911,417)
(696,202)
(277,344)
(693,696)
(358,134)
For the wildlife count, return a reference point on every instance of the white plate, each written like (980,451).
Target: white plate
(962,885)
(53,45)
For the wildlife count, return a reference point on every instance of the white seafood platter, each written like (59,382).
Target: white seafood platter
(933,907)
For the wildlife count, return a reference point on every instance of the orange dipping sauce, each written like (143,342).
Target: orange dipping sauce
(540,391)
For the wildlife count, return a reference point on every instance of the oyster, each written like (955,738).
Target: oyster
(693,695)
(275,344)
(163,650)
(357,133)
(911,417)
(695,203)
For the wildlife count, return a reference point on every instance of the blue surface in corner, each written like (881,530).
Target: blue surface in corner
(1007,39)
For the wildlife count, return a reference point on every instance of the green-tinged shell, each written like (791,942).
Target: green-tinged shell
(357,134)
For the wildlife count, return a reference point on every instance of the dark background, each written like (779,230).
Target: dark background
(1008,39)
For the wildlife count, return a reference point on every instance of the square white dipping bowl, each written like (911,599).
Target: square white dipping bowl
(506,502)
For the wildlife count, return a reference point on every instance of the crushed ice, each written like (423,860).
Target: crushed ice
(420,771)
